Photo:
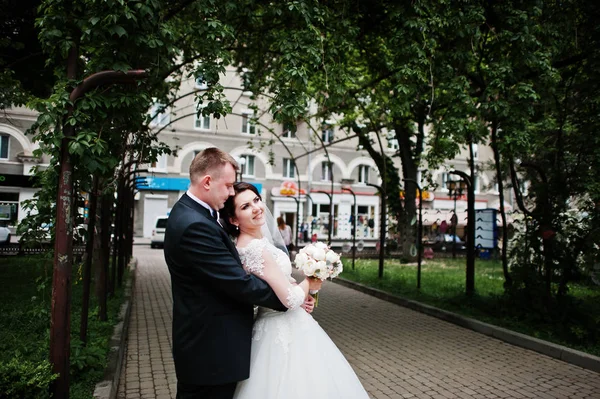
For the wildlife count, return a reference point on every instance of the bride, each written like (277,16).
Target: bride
(292,357)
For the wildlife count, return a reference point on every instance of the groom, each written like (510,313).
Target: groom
(213,296)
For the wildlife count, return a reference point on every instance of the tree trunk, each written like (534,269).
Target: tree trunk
(60,316)
(504,257)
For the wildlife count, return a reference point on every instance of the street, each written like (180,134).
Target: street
(396,352)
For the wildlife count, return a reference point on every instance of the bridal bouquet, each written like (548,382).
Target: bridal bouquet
(319,261)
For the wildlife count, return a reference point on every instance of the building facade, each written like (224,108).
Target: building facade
(265,149)
(16,162)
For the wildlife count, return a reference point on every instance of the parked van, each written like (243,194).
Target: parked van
(158,232)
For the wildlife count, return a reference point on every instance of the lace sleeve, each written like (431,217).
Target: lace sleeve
(295,297)
(257,259)
(252,257)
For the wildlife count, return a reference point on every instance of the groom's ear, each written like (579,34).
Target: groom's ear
(205,181)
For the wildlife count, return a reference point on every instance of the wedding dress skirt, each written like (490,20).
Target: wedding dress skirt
(293,358)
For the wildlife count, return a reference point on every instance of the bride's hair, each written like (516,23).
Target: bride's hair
(229,207)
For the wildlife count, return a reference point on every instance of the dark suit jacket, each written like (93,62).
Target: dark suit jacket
(213,298)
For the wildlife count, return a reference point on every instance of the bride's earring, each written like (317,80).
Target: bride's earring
(237,228)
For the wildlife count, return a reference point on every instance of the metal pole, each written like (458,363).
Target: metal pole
(419,232)
(454,195)
(354,223)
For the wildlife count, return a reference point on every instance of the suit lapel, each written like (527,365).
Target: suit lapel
(188,201)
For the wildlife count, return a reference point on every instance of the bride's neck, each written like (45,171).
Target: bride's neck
(251,234)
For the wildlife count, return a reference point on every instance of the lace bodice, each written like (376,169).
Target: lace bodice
(253,258)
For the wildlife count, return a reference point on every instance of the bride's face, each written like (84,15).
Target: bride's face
(249,211)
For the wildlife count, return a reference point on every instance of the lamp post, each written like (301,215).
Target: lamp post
(381,227)
(353,223)
(470,283)
(330,195)
(419,231)
(455,190)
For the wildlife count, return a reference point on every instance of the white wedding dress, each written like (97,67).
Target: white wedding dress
(292,357)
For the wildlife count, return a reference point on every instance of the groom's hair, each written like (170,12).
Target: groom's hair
(209,161)
(229,207)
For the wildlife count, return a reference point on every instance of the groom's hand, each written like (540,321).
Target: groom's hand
(309,304)
(314,284)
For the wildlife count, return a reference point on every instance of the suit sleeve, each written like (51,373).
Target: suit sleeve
(204,250)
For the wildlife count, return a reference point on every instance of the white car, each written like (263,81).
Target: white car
(158,232)
(4,235)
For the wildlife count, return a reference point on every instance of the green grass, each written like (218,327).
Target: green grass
(443,286)
(25,320)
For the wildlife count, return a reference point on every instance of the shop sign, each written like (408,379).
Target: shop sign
(427,195)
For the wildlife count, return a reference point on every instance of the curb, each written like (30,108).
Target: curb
(572,356)
(107,388)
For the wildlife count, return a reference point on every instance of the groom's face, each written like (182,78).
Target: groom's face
(221,186)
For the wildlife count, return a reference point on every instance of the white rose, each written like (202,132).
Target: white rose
(337,270)
(309,268)
(332,257)
(309,250)
(300,260)
(321,245)
(319,255)
(321,270)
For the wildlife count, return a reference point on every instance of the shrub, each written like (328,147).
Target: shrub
(25,379)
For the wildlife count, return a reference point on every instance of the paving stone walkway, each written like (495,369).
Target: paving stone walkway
(396,352)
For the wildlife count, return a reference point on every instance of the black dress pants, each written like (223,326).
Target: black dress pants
(189,391)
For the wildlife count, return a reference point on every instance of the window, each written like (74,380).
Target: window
(365,221)
(4,141)
(159,114)
(288,168)
(392,141)
(246,77)
(524,187)
(247,124)
(327,134)
(476,184)
(420,174)
(201,82)
(289,130)
(247,165)
(320,221)
(201,122)
(161,163)
(326,174)
(363,174)
(475,151)
(444,181)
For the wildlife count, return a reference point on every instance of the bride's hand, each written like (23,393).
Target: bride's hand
(309,304)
